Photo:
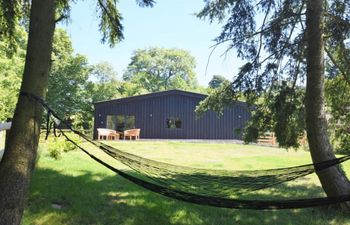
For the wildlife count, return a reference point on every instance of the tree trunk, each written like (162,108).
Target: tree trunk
(18,161)
(333,180)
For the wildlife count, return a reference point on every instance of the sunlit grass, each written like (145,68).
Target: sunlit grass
(91,194)
(2,139)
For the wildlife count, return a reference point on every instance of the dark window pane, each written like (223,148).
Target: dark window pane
(129,122)
(169,123)
(111,122)
(173,122)
(120,123)
(178,123)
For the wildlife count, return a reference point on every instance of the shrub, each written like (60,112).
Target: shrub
(57,145)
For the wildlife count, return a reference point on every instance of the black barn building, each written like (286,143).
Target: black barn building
(170,115)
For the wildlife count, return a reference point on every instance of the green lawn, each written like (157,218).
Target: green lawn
(91,194)
(2,139)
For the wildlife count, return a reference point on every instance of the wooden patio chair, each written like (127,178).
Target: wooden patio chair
(132,133)
(107,134)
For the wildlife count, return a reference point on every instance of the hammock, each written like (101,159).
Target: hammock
(219,188)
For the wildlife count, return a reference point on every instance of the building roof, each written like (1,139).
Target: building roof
(155,94)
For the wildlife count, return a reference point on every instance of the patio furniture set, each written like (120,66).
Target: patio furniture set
(108,134)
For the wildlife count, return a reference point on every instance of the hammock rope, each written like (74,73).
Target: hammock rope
(219,188)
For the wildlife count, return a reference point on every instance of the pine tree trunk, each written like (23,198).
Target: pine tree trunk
(333,180)
(18,161)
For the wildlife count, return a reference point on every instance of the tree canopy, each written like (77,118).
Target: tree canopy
(68,76)
(11,69)
(39,18)
(157,69)
(217,81)
(283,44)
(271,37)
(337,93)
(74,84)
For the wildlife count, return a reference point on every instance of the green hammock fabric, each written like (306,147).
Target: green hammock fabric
(219,183)
(220,188)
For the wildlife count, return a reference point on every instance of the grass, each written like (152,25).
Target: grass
(2,139)
(92,195)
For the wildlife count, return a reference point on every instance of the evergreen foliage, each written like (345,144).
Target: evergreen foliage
(271,36)
(338,102)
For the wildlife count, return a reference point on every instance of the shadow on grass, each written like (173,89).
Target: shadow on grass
(94,198)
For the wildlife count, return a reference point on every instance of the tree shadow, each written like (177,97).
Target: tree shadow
(93,198)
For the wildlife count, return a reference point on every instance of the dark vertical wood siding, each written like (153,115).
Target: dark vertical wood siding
(152,110)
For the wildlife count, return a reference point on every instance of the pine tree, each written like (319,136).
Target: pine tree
(18,160)
(283,43)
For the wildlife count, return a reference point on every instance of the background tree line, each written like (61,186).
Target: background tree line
(74,84)
(282,43)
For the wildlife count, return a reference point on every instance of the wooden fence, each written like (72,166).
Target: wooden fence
(269,138)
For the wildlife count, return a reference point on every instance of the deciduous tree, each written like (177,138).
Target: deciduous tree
(11,70)
(68,78)
(217,81)
(102,85)
(158,69)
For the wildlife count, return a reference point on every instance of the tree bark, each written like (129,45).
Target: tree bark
(333,180)
(19,158)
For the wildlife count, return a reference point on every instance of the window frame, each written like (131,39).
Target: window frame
(117,118)
(175,120)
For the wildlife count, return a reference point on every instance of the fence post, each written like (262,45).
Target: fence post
(273,138)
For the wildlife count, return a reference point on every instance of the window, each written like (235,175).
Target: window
(111,122)
(173,123)
(129,122)
(120,122)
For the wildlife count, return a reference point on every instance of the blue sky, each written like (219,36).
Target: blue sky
(169,24)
